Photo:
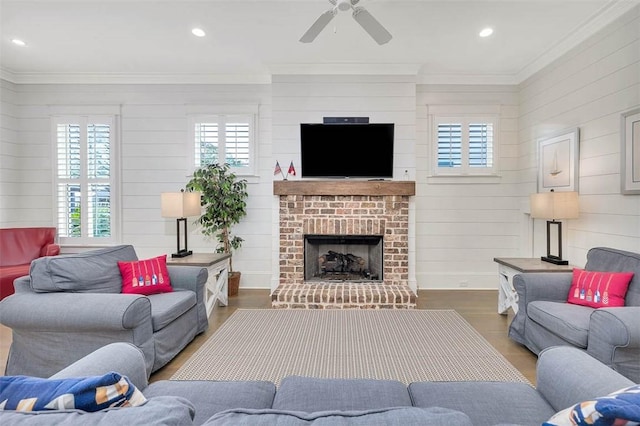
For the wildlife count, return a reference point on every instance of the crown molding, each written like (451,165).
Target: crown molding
(125,78)
(468,79)
(342,68)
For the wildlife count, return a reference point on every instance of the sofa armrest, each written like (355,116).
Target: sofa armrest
(123,358)
(75,312)
(533,286)
(614,339)
(542,286)
(50,250)
(22,284)
(188,277)
(192,278)
(566,375)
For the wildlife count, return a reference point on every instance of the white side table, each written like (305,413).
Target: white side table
(217,264)
(510,266)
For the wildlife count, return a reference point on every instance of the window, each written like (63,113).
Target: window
(464,145)
(84,179)
(224,139)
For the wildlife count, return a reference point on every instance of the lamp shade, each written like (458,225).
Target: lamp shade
(554,205)
(180,204)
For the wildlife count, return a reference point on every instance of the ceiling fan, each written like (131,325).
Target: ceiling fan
(360,14)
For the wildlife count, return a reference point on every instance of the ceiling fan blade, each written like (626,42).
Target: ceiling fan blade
(371,25)
(318,26)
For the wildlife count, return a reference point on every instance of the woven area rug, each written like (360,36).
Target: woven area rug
(404,345)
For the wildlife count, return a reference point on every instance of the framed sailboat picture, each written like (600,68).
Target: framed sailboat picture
(630,150)
(558,160)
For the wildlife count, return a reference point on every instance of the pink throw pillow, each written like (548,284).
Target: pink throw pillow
(599,289)
(145,277)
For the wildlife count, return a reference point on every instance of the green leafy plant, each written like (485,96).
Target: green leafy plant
(224,201)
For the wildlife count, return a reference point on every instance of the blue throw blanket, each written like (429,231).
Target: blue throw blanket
(618,408)
(22,393)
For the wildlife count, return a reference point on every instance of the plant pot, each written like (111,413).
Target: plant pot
(234,283)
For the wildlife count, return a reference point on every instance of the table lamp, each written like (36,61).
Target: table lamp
(554,205)
(179,205)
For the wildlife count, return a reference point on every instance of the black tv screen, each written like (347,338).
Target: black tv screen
(347,150)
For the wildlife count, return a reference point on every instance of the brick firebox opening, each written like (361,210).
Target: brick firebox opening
(330,208)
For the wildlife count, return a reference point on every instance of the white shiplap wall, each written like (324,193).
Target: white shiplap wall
(10,199)
(154,128)
(588,88)
(462,226)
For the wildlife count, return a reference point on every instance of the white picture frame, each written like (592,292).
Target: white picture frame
(630,152)
(558,160)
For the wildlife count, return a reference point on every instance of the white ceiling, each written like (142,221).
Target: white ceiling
(151,41)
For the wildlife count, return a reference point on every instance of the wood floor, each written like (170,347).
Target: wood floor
(478,307)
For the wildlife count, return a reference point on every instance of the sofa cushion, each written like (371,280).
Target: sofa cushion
(94,393)
(211,397)
(485,402)
(598,289)
(94,271)
(159,411)
(617,408)
(400,416)
(569,321)
(149,276)
(166,307)
(297,393)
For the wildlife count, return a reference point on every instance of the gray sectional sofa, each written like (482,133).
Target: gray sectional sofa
(611,335)
(561,382)
(70,305)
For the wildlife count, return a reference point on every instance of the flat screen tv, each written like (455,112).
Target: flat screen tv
(347,150)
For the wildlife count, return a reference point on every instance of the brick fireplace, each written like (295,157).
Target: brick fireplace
(344,210)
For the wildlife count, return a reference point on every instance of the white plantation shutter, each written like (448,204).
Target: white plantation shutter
(224,138)
(449,144)
(237,144)
(84,178)
(206,142)
(480,145)
(68,208)
(464,146)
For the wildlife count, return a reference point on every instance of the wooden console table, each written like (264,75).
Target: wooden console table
(510,266)
(217,264)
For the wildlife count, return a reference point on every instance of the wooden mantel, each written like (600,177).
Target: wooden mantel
(343,187)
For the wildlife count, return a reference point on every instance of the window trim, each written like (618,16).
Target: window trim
(465,169)
(222,119)
(66,115)
(481,112)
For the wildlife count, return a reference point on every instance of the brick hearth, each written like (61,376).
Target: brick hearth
(344,208)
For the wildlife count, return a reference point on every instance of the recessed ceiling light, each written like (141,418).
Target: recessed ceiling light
(18,42)
(486,32)
(198,32)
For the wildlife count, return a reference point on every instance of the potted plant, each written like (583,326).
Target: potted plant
(224,201)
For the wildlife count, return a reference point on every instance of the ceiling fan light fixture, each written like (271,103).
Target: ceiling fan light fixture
(344,5)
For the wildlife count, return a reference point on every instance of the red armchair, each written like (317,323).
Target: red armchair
(18,247)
